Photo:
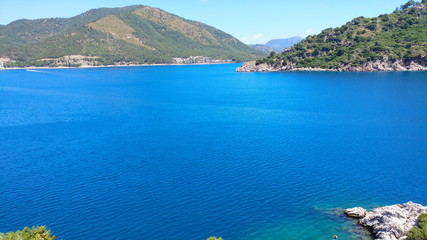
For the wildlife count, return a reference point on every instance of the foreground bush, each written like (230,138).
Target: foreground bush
(34,233)
(42,233)
(420,232)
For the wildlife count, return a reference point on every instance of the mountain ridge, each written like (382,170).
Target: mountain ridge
(130,35)
(277,45)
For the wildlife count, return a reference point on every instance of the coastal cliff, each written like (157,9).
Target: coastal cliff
(389,42)
(376,66)
(389,222)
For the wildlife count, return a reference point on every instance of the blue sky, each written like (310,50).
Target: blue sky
(251,21)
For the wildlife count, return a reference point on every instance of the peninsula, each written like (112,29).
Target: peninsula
(389,42)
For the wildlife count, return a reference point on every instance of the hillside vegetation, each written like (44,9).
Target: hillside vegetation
(112,36)
(419,232)
(396,41)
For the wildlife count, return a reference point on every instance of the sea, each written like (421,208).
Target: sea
(189,152)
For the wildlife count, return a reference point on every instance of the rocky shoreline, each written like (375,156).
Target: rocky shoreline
(376,66)
(389,222)
(107,66)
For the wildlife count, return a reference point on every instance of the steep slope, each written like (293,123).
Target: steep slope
(115,36)
(177,24)
(391,42)
(118,29)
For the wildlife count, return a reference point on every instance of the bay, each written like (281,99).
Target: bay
(187,152)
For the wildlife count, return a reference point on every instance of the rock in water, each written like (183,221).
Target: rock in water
(389,222)
(356,212)
(252,67)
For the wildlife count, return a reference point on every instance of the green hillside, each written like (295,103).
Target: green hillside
(112,36)
(396,41)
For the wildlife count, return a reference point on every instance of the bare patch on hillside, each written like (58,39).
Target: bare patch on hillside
(174,23)
(118,29)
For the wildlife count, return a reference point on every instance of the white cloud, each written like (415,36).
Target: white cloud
(244,39)
(256,36)
(203,0)
(251,39)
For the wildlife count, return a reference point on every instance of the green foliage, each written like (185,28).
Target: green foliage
(400,36)
(38,42)
(419,232)
(215,238)
(34,233)
(408,5)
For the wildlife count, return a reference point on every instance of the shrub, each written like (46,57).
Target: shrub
(419,232)
(34,233)
(215,238)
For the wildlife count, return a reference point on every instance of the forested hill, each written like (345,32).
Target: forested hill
(389,42)
(108,36)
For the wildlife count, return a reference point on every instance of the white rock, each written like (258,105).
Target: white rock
(391,222)
(356,212)
(372,66)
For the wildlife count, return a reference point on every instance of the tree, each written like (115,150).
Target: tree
(408,5)
(272,54)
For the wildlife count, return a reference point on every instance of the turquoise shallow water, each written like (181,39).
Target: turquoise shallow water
(187,152)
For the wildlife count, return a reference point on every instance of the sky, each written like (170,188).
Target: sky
(251,21)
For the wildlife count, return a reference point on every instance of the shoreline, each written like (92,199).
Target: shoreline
(112,66)
(389,222)
(367,67)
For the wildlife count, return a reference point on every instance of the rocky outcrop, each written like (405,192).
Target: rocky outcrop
(373,66)
(383,66)
(356,212)
(253,67)
(390,222)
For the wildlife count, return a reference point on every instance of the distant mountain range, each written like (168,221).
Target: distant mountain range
(115,36)
(277,45)
(389,42)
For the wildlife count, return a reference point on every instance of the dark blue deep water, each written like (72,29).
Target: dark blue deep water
(186,152)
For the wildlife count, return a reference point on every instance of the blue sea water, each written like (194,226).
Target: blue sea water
(187,152)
